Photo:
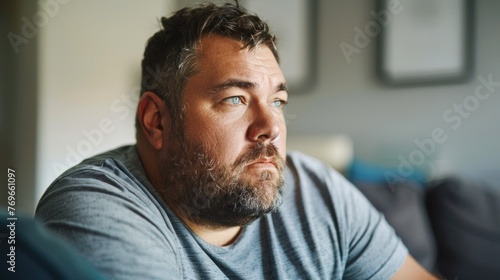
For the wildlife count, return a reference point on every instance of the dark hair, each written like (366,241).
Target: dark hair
(170,55)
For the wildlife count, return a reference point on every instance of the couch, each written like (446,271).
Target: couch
(450,226)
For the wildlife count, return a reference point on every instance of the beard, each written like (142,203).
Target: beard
(216,195)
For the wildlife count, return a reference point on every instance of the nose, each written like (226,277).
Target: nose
(264,125)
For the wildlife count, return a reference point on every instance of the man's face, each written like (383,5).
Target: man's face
(226,168)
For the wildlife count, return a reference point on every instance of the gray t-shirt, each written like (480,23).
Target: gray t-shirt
(325,228)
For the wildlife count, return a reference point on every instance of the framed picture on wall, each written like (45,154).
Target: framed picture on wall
(425,41)
(294,24)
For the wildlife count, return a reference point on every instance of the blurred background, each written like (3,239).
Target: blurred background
(70,82)
(399,95)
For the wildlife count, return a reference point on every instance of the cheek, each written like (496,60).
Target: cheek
(229,140)
(282,142)
(222,139)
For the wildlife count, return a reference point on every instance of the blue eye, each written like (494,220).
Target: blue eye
(235,100)
(278,103)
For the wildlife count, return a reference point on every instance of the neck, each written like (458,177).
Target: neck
(215,236)
(218,236)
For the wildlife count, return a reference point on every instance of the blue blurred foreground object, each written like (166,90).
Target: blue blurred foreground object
(29,251)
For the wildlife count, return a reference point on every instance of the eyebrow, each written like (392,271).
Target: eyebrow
(243,85)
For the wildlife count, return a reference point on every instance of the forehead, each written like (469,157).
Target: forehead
(215,45)
(218,55)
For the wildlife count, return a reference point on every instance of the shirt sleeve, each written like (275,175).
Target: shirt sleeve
(374,249)
(111,226)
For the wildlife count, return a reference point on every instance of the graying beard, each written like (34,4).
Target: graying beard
(203,203)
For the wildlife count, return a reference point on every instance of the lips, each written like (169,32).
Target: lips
(260,156)
(265,162)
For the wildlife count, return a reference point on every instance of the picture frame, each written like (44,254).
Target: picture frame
(424,42)
(296,29)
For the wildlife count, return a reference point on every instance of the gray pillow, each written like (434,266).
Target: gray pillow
(466,221)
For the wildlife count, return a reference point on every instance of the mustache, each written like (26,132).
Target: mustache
(258,151)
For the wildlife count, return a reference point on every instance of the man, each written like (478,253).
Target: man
(208,191)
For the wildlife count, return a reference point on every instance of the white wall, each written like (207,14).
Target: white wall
(89,65)
(383,121)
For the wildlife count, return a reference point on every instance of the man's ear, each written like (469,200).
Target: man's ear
(150,112)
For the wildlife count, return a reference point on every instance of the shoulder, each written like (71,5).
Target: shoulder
(321,195)
(299,159)
(102,184)
(113,164)
(331,204)
(111,173)
(106,210)
(109,182)
(317,177)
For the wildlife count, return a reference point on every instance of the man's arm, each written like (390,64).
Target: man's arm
(412,270)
